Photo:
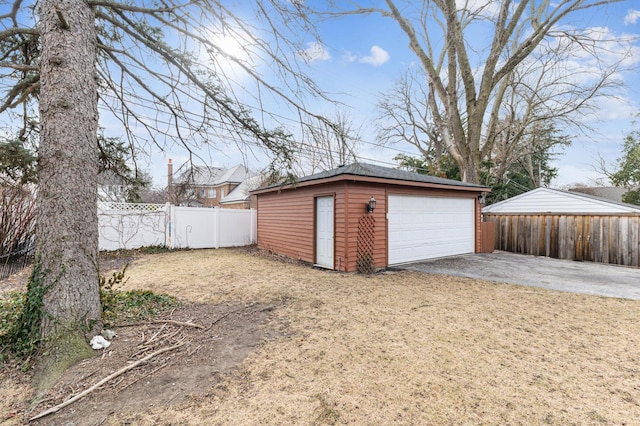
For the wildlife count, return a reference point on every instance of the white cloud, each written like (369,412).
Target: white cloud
(569,175)
(378,57)
(632,17)
(562,69)
(315,52)
(349,57)
(610,108)
(485,8)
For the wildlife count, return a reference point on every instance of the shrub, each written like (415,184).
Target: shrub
(130,306)
(20,313)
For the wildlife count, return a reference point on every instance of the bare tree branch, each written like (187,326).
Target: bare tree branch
(468,80)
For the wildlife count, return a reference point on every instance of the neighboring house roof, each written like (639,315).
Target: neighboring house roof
(613,193)
(212,176)
(370,171)
(242,192)
(547,200)
(110,178)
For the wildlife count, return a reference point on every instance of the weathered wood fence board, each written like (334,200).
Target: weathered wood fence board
(596,238)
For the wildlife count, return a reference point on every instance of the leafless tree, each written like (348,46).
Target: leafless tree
(540,96)
(328,142)
(17,213)
(466,82)
(404,117)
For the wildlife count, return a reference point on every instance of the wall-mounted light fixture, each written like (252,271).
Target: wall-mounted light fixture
(482,198)
(371,205)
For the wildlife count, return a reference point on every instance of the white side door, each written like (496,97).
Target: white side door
(324,232)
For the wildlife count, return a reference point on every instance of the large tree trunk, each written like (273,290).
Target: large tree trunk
(67,222)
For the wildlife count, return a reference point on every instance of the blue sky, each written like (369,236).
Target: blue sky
(361,57)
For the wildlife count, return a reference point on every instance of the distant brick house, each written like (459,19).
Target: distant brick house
(240,197)
(208,186)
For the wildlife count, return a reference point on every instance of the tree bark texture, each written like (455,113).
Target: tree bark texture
(67,221)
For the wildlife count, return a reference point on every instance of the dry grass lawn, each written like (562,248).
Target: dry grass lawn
(403,348)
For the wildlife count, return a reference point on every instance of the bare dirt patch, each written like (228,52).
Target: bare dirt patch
(15,282)
(220,338)
(305,346)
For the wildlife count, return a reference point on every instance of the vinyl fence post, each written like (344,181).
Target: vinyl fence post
(168,215)
(216,228)
(253,227)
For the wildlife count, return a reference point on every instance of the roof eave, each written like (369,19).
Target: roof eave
(369,179)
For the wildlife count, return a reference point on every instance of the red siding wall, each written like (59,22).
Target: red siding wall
(358,195)
(286,219)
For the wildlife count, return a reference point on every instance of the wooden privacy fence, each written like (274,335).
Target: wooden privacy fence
(611,238)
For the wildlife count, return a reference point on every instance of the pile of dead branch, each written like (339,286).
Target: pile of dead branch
(158,343)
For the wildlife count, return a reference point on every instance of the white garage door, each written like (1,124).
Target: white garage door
(428,227)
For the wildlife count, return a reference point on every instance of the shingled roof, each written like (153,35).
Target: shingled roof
(212,176)
(556,201)
(380,172)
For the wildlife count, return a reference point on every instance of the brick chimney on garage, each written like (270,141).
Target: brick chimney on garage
(170,189)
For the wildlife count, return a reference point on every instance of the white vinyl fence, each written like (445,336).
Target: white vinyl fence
(129,226)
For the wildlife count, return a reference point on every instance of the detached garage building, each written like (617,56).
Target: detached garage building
(327,218)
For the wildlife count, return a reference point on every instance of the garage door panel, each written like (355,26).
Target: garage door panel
(429,227)
(432,247)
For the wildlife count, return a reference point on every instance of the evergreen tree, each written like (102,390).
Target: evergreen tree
(628,172)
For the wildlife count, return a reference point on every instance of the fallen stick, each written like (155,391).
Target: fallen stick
(147,345)
(184,324)
(224,316)
(152,338)
(142,377)
(174,322)
(103,381)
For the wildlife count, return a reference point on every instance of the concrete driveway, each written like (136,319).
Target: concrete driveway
(564,275)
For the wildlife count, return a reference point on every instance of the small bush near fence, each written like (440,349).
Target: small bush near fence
(14,262)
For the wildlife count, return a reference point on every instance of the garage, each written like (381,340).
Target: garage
(365,217)
(422,227)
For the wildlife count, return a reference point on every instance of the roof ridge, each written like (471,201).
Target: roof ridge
(381,172)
